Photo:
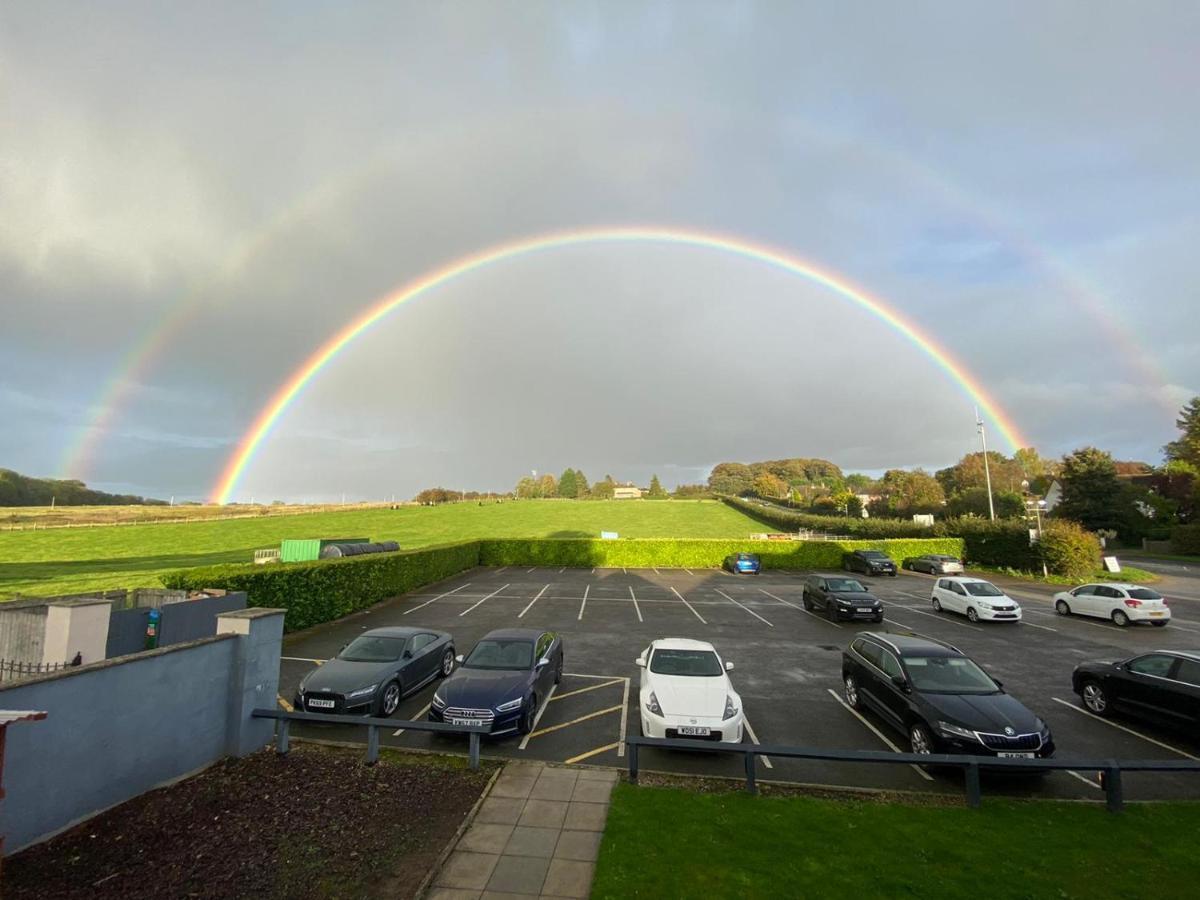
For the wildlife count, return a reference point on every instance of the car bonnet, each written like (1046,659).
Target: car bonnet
(483,688)
(983,712)
(341,676)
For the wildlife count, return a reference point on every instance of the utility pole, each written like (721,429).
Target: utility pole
(987,471)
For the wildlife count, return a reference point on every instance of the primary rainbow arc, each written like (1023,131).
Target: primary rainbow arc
(295,384)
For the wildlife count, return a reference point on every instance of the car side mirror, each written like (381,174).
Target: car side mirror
(901,682)
(543,662)
(459,659)
(407,654)
(728,667)
(640,662)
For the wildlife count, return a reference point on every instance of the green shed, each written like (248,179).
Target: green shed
(309,549)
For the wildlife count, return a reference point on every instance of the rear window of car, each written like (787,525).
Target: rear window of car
(692,663)
(747,556)
(868,651)
(1144,594)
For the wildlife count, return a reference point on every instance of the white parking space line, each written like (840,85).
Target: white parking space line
(624,570)
(531,570)
(538,717)
(521,614)
(879,734)
(801,609)
(1144,737)
(438,597)
(505,569)
(488,597)
(583,605)
(420,715)
(637,609)
(1094,784)
(1035,625)
(624,719)
(656,572)
(303,659)
(754,739)
(563,569)
(689,606)
(689,571)
(937,616)
(746,608)
(593,570)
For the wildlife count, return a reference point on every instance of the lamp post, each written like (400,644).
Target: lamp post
(987,471)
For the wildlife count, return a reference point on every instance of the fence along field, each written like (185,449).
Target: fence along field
(72,560)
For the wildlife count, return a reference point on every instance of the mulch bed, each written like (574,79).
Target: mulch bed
(316,823)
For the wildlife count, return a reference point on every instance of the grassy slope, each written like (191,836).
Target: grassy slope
(69,560)
(734,845)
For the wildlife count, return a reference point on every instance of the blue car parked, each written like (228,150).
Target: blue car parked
(502,683)
(742,563)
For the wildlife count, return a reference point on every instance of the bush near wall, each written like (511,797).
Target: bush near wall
(696,553)
(324,590)
(1185,539)
(1068,548)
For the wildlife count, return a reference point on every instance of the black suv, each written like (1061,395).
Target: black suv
(1162,686)
(941,699)
(869,562)
(841,598)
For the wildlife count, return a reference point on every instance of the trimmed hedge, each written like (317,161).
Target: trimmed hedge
(645,553)
(1069,549)
(324,590)
(1185,539)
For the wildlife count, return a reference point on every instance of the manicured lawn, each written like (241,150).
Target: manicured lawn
(69,560)
(666,842)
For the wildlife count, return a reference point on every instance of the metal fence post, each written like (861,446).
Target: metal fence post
(973,791)
(751,768)
(372,745)
(633,763)
(473,743)
(1114,795)
(281,736)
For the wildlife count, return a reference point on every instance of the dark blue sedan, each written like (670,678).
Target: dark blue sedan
(742,563)
(502,683)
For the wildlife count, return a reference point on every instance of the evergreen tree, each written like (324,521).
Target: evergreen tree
(582,488)
(568,485)
(1187,447)
(656,489)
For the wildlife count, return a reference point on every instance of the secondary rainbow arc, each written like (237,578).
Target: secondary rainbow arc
(252,440)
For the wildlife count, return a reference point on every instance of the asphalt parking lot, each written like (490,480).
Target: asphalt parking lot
(787,670)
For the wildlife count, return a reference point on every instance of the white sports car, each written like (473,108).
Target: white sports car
(686,693)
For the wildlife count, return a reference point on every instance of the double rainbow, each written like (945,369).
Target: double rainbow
(295,384)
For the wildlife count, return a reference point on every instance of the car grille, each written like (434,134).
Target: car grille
(1008,743)
(483,716)
(711,736)
(1003,608)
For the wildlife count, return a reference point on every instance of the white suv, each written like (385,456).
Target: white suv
(975,598)
(1122,603)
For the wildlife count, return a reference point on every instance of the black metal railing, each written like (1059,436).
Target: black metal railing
(372,724)
(1109,769)
(11,669)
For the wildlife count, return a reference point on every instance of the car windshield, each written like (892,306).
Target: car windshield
(948,675)
(1144,594)
(872,554)
(982,589)
(700,663)
(844,586)
(514,655)
(371,648)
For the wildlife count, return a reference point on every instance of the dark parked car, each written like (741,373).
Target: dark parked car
(1162,686)
(503,681)
(376,669)
(940,698)
(935,564)
(841,598)
(744,563)
(869,562)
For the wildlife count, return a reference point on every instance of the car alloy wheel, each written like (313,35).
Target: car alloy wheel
(558,673)
(391,699)
(1119,618)
(937,605)
(526,725)
(972,616)
(448,662)
(851,692)
(1094,698)
(1060,607)
(918,737)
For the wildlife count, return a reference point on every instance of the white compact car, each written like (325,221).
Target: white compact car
(1121,603)
(686,693)
(978,600)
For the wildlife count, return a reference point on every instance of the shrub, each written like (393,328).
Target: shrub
(324,590)
(1185,539)
(1067,548)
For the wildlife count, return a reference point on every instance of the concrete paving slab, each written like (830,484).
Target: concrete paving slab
(543,813)
(519,875)
(467,870)
(569,878)
(585,816)
(482,837)
(528,841)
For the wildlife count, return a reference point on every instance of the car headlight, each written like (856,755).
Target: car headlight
(362,692)
(510,705)
(950,730)
(731,709)
(439,702)
(652,705)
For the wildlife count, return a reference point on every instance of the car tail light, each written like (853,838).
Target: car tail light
(1133,604)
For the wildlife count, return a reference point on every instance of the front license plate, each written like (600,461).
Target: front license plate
(454,721)
(1016,755)
(321,704)
(695,731)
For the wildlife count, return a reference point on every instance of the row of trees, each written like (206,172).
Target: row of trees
(22,490)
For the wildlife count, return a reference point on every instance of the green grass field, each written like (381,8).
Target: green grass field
(72,560)
(738,846)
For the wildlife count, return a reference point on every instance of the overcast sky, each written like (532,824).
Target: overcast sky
(1021,180)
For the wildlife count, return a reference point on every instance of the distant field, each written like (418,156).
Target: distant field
(72,560)
(19,518)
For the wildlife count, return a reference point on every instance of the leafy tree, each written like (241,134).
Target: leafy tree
(842,500)
(1094,496)
(568,484)
(527,489)
(769,486)
(1186,448)
(547,486)
(1007,474)
(602,490)
(910,493)
(974,502)
(730,478)
(581,484)
(656,491)
(692,492)
(859,483)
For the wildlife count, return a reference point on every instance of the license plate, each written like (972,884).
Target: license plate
(1016,755)
(322,704)
(454,721)
(695,731)
(1155,615)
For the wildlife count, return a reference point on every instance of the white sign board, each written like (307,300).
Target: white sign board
(1111,564)
(608,535)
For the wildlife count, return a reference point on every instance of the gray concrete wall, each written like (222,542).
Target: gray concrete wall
(181,621)
(23,630)
(118,728)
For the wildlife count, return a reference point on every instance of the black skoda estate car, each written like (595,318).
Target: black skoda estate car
(940,698)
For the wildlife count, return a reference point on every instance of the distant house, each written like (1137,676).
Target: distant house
(627,492)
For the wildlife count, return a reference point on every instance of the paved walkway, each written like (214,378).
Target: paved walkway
(536,835)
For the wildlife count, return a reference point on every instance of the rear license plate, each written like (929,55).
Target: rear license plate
(321,704)
(1016,755)
(695,731)
(1155,614)
(454,721)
